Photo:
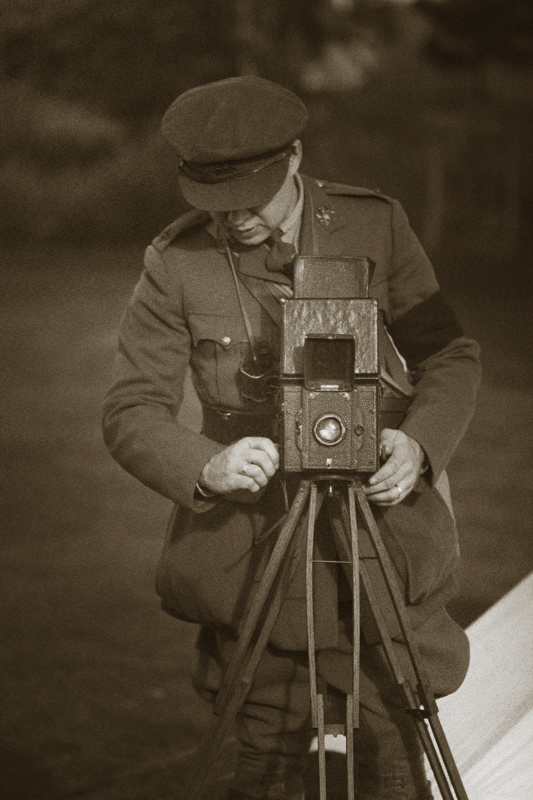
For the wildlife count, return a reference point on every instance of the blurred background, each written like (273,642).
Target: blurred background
(430,102)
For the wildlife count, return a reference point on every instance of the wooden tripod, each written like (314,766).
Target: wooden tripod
(355,546)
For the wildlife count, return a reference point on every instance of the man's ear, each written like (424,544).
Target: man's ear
(296,156)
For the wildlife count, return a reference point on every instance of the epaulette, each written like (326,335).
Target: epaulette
(351,191)
(187,221)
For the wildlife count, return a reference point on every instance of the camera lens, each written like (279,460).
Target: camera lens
(329,429)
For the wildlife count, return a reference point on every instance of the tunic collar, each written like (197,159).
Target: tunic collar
(315,219)
(290,227)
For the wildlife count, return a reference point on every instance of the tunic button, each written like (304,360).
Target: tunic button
(226,341)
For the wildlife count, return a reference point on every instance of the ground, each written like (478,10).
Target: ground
(97,702)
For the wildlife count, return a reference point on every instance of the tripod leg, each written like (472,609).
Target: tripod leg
(413,705)
(354,541)
(321,736)
(263,590)
(309,596)
(447,756)
(348,550)
(242,667)
(392,586)
(317,699)
(351,712)
(349,554)
(423,698)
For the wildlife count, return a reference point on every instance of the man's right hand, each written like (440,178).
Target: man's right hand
(246,464)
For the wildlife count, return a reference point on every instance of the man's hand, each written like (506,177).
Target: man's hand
(246,464)
(397,477)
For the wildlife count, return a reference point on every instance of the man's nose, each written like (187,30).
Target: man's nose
(238,217)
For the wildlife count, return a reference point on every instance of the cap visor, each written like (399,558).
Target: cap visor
(231,195)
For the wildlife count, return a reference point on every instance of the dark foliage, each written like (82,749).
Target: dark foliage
(126,59)
(470,32)
(129,60)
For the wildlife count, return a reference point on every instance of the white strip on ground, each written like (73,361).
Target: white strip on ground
(488,722)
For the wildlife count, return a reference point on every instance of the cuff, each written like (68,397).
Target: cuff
(204,493)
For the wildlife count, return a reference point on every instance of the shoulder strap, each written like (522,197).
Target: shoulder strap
(340,189)
(192,219)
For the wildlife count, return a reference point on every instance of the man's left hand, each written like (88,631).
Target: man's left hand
(399,474)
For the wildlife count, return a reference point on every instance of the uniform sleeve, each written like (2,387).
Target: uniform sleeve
(444,364)
(140,410)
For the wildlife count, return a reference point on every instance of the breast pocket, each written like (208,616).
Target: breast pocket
(220,346)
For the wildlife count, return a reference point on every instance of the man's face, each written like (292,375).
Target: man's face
(252,226)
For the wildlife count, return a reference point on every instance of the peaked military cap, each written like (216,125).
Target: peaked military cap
(233,139)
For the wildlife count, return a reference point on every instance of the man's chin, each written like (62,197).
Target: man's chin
(252,239)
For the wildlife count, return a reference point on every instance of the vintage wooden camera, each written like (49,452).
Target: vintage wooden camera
(329,370)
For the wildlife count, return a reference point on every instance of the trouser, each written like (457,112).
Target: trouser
(274,725)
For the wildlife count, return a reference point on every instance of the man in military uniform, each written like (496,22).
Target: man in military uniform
(209,298)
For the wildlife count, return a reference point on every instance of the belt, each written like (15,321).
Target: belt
(226,426)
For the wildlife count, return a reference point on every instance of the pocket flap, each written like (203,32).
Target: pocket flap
(226,331)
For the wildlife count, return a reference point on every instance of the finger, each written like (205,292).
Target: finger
(265,456)
(401,477)
(387,493)
(264,445)
(384,480)
(390,468)
(262,461)
(256,474)
(385,473)
(389,497)
(386,442)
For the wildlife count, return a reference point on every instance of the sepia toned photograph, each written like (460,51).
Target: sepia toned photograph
(267,399)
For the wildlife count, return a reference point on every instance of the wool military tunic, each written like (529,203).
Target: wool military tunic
(185,311)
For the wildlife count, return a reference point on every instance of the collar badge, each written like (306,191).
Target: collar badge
(326,216)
